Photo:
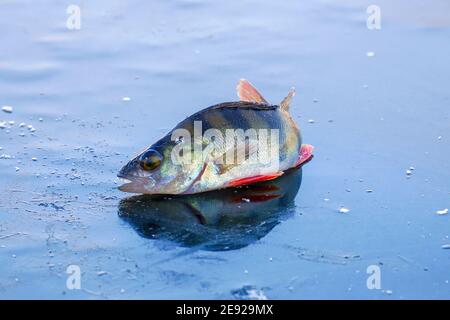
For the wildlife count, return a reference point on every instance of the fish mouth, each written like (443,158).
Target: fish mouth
(135,184)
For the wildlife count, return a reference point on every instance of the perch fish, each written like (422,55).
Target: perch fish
(229,144)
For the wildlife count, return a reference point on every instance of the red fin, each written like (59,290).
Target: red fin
(305,154)
(249,180)
(247,92)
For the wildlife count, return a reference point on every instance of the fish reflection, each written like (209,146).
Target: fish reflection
(220,220)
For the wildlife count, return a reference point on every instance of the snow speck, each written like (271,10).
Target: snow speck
(126,99)
(343,210)
(370,54)
(7,109)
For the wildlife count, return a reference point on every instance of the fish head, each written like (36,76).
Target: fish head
(154,171)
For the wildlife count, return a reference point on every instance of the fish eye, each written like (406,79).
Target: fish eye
(150,160)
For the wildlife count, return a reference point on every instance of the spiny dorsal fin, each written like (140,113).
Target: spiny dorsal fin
(247,92)
(285,104)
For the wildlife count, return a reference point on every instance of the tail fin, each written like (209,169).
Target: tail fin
(286,103)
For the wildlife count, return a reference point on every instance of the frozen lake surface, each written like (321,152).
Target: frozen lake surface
(374,103)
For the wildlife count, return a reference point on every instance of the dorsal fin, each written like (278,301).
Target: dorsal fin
(247,92)
(284,105)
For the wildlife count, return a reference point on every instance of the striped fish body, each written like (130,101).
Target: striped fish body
(263,122)
(256,128)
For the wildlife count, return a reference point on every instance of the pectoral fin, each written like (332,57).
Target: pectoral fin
(236,155)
